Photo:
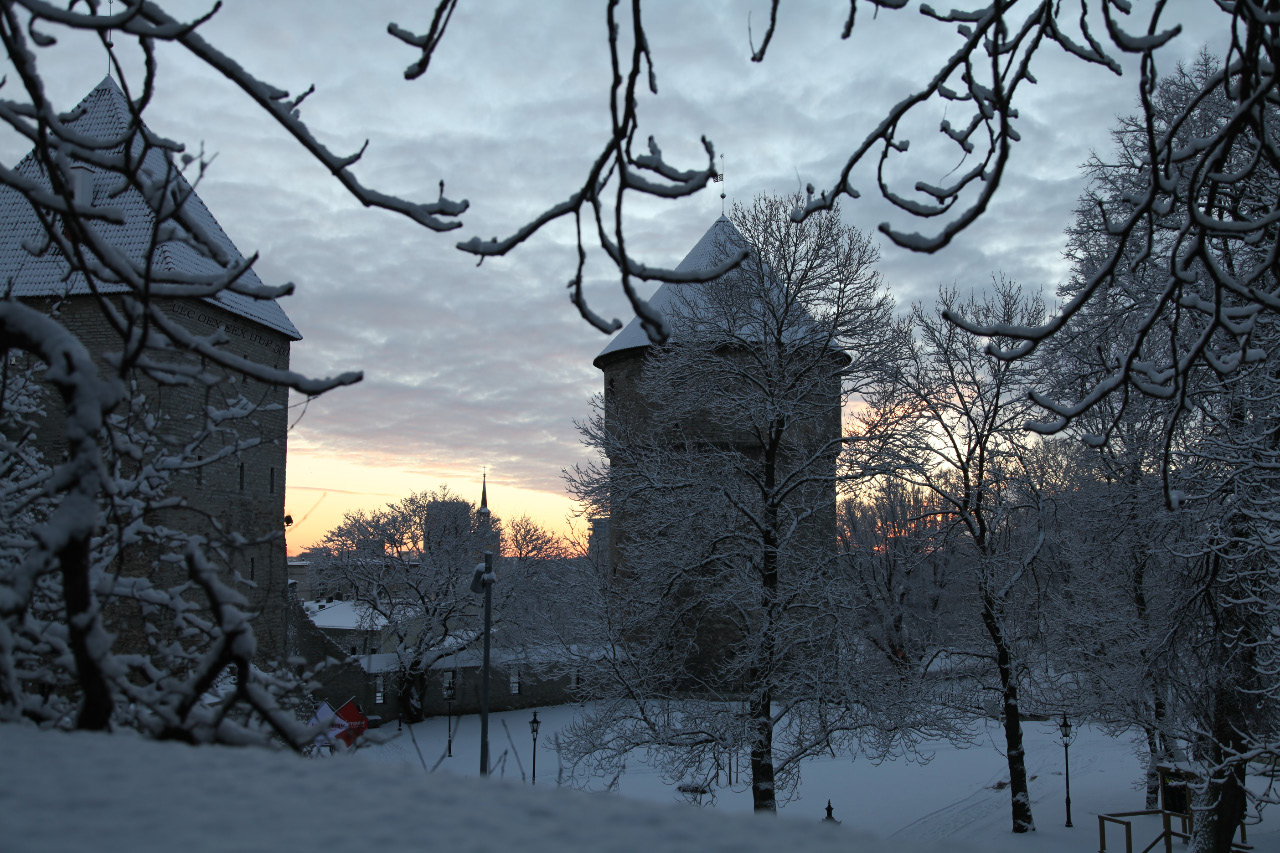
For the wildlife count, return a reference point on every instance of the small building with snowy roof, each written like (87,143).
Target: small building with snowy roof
(101,230)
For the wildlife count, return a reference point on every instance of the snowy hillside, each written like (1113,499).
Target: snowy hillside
(109,793)
(82,791)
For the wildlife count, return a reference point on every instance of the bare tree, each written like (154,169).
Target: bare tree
(985,75)
(1212,197)
(896,567)
(722,467)
(1223,645)
(956,415)
(1196,360)
(63,537)
(542,561)
(408,566)
(111,438)
(1113,599)
(983,79)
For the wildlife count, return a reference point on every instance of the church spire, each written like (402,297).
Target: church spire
(484,494)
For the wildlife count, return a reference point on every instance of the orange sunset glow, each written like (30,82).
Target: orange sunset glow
(322,488)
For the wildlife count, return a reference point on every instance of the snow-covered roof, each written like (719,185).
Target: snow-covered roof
(537,656)
(468,658)
(379,662)
(104,115)
(706,253)
(343,614)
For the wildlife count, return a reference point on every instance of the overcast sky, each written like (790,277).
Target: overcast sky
(468,367)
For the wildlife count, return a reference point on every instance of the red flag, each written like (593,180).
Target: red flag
(356,722)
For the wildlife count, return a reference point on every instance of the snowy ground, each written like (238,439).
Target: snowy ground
(78,792)
(108,793)
(958,796)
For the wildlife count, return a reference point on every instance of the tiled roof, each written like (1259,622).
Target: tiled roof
(104,115)
(706,253)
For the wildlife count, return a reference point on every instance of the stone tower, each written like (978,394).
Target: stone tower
(221,431)
(623,362)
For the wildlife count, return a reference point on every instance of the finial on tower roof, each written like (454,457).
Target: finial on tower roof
(111,10)
(719,179)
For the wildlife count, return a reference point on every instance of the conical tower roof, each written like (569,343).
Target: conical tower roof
(183,258)
(706,254)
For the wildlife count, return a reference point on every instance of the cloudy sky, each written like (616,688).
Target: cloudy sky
(469,367)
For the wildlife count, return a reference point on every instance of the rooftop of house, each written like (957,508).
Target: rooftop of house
(378,662)
(195,253)
(343,614)
(535,656)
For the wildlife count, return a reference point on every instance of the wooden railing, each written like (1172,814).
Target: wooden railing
(1167,834)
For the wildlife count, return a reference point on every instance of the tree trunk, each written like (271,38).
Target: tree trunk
(1154,756)
(763,791)
(1220,807)
(1228,703)
(760,712)
(1021,798)
(412,695)
(1155,737)
(82,623)
(763,795)
(1216,826)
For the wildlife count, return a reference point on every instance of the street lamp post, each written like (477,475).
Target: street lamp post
(450,693)
(482,581)
(1065,728)
(534,725)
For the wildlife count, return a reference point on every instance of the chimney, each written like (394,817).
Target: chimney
(82,186)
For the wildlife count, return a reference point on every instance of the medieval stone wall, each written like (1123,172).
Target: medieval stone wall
(537,686)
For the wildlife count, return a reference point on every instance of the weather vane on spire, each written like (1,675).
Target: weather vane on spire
(719,179)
